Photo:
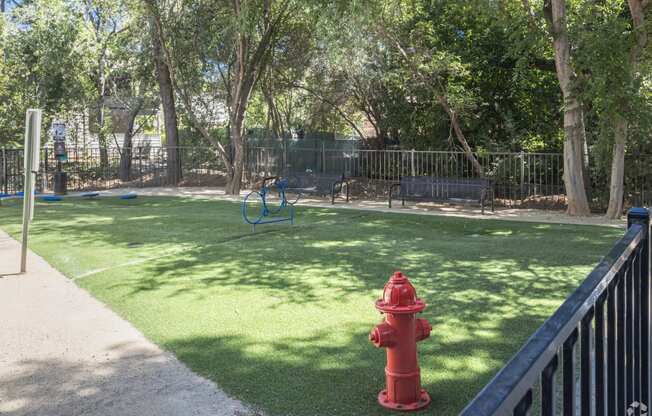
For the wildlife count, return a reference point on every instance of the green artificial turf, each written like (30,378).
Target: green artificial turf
(279,319)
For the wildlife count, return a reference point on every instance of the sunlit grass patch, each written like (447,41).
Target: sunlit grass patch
(280,318)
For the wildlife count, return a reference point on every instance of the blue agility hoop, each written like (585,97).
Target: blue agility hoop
(268,215)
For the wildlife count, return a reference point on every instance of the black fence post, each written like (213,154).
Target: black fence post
(638,216)
(5,171)
(642,277)
(140,165)
(46,168)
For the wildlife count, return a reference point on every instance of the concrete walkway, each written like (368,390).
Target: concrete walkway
(448,210)
(63,353)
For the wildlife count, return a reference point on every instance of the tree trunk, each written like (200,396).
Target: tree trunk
(616,191)
(574,134)
(237,140)
(617,182)
(586,172)
(101,140)
(443,100)
(578,204)
(274,115)
(459,134)
(101,121)
(125,161)
(155,19)
(127,144)
(166,92)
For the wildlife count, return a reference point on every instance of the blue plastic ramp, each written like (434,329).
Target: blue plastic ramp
(52,198)
(130,195)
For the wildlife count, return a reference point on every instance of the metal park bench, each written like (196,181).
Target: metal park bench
(311,183)
(428,188)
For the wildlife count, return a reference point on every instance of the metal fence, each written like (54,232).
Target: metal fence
(521,179)
(609,314)
(96,169)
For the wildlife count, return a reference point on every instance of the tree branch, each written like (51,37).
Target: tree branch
(334,106)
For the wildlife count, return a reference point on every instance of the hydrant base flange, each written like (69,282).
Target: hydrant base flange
(424,400)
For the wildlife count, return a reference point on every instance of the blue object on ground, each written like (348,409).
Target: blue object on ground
(52,198)
(5,195)
(90,194)
(130,195)
(21,193)
(268,215)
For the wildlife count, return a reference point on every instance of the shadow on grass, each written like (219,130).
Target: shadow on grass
(489,284)
(342,378)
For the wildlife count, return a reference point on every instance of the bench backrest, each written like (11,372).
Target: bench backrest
(444,188)
(320,181)
(417,186)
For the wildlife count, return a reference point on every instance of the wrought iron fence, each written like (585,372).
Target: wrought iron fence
(95,169)
(609,314)
(521,179)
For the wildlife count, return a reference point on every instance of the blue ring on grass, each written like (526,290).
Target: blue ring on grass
(129,196)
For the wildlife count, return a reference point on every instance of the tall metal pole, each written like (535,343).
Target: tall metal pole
(5,170)
(412,171)
(31,160)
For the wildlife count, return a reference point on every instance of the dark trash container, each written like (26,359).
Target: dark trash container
(60,183)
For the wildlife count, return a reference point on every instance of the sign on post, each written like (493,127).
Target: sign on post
(31,165)
(59,137)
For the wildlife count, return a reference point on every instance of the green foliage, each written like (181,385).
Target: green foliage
(604,38)
(336,65)
(60,55)
(41,66)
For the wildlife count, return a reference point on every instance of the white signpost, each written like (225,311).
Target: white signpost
(31,158)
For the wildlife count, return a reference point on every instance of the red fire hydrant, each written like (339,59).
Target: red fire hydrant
(399,333)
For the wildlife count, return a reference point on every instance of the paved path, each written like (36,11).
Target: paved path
(63,353)
(449,210)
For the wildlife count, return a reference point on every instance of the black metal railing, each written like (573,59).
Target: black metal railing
(606,324)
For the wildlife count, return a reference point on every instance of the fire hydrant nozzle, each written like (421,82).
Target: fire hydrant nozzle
(382,336)
(399,333)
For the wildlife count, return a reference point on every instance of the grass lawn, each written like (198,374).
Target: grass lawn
(280,318)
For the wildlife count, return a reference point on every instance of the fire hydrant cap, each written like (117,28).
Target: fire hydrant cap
(399,296)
